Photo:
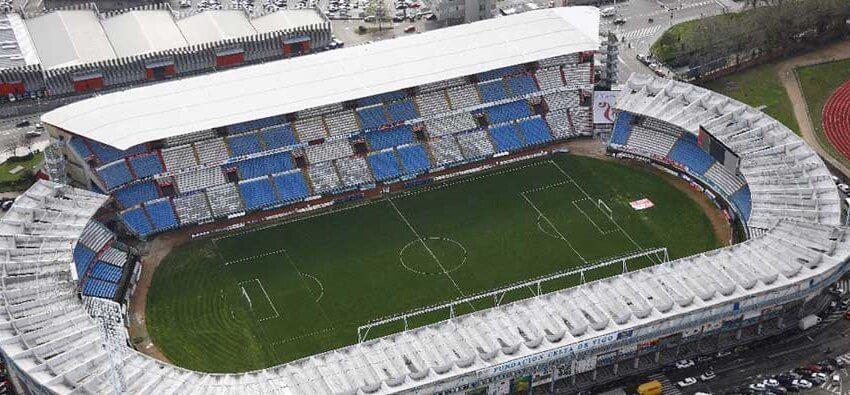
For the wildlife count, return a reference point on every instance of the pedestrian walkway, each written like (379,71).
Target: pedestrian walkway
(642,33)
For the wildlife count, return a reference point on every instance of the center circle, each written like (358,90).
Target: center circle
(432,255)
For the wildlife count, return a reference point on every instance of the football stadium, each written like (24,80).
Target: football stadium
(415,215)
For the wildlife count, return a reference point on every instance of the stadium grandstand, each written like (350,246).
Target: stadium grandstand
(80,50)
(192,151)
(755,163)
(173,155)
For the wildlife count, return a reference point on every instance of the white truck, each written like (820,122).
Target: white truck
(809,321)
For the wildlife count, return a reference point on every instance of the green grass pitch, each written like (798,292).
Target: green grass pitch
(269,295)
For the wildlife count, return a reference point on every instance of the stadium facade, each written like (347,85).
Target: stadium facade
(63,323)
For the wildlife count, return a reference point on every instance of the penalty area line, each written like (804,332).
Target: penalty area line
(240,260)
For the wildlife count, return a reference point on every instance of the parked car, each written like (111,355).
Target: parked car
(758,387)
(22,124)
(816,380)
(844,188)
(771,383)
(708,375)
(704,358)
(803,371)
(721,354)
(687,382)
(802,384)
(684,364)
(621,21)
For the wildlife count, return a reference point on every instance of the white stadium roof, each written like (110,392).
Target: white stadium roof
(291,19)
(215,25)
(64,38)
(140,32)
(68,38)
(135,116)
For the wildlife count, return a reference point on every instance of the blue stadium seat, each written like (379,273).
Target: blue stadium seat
(256,124)
(162,214)
(257,193)
(381,139)
(372,117)
(104,153)
(414,159)
(402,110)
(291,186)
(493,90)
(146,165)
(137,221)
(499,73)
(136,193)
(244,144)
(106,272)
(535,131)
(622,129)
(508,112)
(384,165)
(263,165)
(505,138)
(743,201)
(79,146)
(280,136)
(688,153)
(381,98)
(115,174)
(99,288)
(522,85)
(83,257)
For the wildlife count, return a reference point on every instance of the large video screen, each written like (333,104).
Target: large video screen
(719,151)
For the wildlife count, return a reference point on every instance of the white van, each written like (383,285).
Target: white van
(608,11)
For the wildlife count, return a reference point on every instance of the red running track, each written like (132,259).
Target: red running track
(836,119)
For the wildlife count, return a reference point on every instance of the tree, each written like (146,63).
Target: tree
(381,10)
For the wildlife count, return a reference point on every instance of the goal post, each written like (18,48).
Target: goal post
(655,255)
(604,208)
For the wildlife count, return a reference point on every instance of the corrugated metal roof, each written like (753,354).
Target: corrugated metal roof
(286,19)
(215,25)
(68,38)
(135,116)
(140,32)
